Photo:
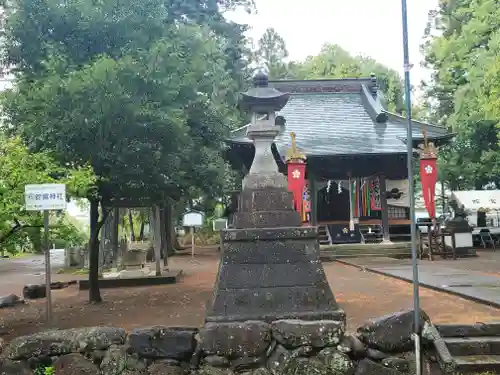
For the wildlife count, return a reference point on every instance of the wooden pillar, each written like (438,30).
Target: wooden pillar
(114,235)
(164,233)
(384,209)
(313,187)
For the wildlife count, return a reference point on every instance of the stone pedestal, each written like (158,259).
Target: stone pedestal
(270,267)
(269,274)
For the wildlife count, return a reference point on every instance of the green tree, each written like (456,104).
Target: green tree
(271,54)
(19,168)
(462,46)
(138,95)
(335,62)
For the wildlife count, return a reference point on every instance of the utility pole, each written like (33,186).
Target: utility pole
(411,189)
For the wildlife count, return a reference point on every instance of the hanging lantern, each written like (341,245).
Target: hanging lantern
(428,174)
(296,167)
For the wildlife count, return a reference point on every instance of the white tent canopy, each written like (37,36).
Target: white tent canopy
(478,200)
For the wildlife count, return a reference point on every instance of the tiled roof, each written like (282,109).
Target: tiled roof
(340,117)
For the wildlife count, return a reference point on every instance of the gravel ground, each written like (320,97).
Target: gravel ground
(363,295)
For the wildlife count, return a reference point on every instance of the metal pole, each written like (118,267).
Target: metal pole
(192,242)
(48,295)
(409,140)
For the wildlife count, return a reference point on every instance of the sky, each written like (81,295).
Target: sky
(369,27)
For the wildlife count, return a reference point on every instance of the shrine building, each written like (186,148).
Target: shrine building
(356,173)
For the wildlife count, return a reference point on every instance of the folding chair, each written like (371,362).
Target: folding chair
(486,238)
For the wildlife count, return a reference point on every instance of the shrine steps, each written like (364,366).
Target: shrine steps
(468,349)
(323,236)
(359,250)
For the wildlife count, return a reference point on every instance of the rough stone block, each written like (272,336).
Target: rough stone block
(165,368)
(305,366)
(391,333)
(368,367)
(163,342)
(9,367)
(353,346)
(74,364)
(118,360)
(98,338)
(319,333)
(338,363)
(236,339)
(10,300)
(48,344)
(59,342)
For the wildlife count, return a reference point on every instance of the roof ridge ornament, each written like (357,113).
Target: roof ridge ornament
(374,86)
(428,149)
(293,154)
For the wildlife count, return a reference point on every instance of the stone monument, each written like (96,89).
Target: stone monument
(270,267)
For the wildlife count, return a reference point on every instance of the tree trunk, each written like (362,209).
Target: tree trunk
(131,222)
(165,235)
(157,238)
(115,243)
(94,292)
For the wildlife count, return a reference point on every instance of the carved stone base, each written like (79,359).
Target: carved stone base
(266,208)
(272,180)
(269,274)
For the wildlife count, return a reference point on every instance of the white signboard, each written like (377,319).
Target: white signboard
(219,224)
(192,219)
(397,193)
(45,197)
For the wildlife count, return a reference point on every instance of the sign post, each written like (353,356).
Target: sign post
(46,197)
(192,219)
(220,225)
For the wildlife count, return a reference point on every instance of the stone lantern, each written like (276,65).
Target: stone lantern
(263,102)
(265,201)
(270,267)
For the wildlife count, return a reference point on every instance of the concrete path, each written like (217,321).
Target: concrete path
(17,272)
(478,282)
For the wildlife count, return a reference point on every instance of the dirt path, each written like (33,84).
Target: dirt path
(363,296)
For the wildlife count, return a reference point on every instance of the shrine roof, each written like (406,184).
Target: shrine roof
(342,117)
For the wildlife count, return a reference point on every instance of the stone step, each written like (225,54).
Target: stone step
(477,364)
(363,252)
(461,330)
(472,346)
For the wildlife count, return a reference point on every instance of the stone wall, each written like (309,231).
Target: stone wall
(283,347)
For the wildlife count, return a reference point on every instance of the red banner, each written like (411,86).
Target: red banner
(296,182)
(428,176)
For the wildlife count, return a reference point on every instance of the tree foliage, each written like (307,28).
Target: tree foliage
(139,90)
(462,47)
(19,168)
(331,62)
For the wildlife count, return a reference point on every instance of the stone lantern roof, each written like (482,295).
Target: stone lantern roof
(261,98)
